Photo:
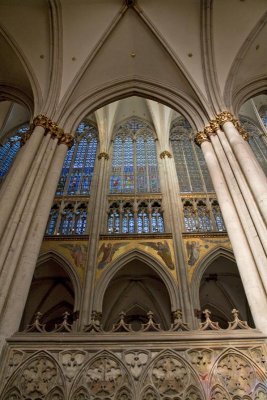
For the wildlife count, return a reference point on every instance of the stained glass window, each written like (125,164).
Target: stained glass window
(202,215)
(256,141)
(78,167)
(133,217)
(134,163)
(263,114)
(52,221)
(9,150)
(192,172)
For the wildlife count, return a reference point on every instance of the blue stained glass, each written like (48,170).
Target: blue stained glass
(192,172)
(78,167)
(66,224)
(9,150)
(134,164)
(50,230)
(157,222)
(81,222)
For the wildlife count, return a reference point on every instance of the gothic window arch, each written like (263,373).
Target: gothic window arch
(68,215)
(263,114)
(192,172)
(78,167)
(256,141)
(144,216)
(134,161)
(10,148)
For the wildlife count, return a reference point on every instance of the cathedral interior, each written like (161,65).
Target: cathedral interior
(133,200)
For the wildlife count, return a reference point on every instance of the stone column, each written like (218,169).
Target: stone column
(248,271)
(241,184)
(175,213)
(248,163)
(16,177)
(97,213)
(16,299)
(242,210)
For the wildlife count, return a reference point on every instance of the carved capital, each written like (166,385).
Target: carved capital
(67,139)
(41,120)
(103,155)
(201,137)
(165,153)
(223,117)
(241,130)
(214,125)
(209,131)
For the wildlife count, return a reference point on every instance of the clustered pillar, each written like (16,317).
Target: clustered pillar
(26,199)
(233,169)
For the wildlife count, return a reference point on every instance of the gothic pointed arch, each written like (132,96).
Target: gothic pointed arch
(151,262)
(37,377)
(237,374)
(55,289)
(181,379)
(104,374)
(217,286)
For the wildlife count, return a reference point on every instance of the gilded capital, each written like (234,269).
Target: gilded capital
(223,117)
(103,155)
(165,153)
(201,137)
(41,120)
(214,125)
(242,132)
(209,131)
(66,138)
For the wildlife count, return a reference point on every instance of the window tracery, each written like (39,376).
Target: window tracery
(78,167)
(134,216)
(134,162)
(192,172)
(202,215)
(10,148)
(67,218)
(256,141)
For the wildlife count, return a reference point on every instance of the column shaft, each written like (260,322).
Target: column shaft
(16,177)
(244,215)
(249,165)
(17,296)
(248,271)
(18,242)
(97,211)
(244,188)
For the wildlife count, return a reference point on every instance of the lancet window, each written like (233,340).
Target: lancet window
(263,114)
(10,148)
(67,218)
(134,162)
(135,217)
(78,167)
(257,141)
(202,215)
(192,172)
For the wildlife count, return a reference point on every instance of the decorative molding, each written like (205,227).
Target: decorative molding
(41,120)
(214,125)
(103,155)
(209,131)
(224,116)
(165,153)
(200,138)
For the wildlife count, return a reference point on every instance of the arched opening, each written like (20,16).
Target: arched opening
(51,293)
(221,290)
(136,289)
